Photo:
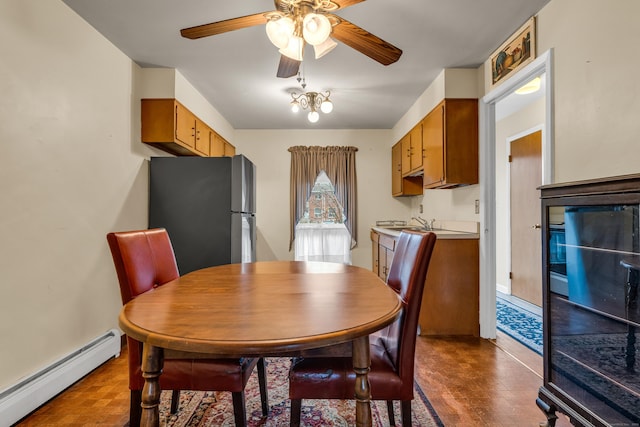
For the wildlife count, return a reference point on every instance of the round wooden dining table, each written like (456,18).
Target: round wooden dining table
(261,309)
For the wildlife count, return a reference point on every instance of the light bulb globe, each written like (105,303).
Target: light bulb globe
(279,31)
(315,28)
(294,49)
(326,106)
(313,116)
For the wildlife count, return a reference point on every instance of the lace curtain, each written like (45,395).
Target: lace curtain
(339,163)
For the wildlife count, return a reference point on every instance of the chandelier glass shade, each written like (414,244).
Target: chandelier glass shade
(323,48)
(294,48)
(313,101)
(280,30)
(291,30)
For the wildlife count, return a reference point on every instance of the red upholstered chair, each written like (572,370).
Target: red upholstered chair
(392,349)
(144,260)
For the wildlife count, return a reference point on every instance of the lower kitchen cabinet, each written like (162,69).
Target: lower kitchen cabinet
(383,249)
(450,301)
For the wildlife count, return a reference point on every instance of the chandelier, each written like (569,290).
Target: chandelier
(313,101)
(299,22)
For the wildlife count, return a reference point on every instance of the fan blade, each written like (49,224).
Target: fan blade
(287,67)
(224,26)
(346,3)
(366,43)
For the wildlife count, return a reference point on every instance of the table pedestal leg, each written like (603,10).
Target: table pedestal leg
(152,361)
(361,366)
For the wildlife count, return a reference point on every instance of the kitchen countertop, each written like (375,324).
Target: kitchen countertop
(443,229)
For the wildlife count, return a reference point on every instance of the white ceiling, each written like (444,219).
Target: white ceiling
(236,71)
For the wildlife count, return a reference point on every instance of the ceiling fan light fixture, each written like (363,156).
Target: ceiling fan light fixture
(315,28)
(294,49)
(325,47)
(280,30)
(295,106)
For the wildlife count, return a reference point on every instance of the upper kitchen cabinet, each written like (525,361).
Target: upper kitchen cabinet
(400,185)
(450,143)
(416,151)
(412,151)
(229,150)
(171,127)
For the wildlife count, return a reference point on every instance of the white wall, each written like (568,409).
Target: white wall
(70,171)
(597,95)
(268,150)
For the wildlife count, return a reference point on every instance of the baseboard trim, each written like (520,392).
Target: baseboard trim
(19,400)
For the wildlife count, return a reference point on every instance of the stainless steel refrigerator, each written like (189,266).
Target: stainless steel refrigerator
(207,205)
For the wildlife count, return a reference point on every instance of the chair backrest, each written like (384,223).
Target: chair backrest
(143,259)
(407,276)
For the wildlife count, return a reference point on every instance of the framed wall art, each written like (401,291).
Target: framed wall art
(515,53)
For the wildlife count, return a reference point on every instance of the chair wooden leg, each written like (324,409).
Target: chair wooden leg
(392,418)
(296,409)
(135,410)
(175,401)
(262,380)
(239,411)
(406,412)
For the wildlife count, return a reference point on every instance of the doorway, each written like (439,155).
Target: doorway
(542,65)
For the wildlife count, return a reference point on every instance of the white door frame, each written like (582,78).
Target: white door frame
(543,64)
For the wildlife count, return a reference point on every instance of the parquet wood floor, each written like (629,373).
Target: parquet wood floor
(469,381)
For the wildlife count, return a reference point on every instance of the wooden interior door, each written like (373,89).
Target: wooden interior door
(526,245)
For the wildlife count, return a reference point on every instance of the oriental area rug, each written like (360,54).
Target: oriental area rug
(520,324)
(208,409)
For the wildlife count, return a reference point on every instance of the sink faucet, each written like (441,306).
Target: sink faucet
(422,222)
(427,225)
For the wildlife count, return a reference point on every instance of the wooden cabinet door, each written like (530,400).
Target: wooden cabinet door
(460,141)
(217,146)
(417,151)
(396,169)
(375,254)
(185,126)
(203,138)
(386,251)
(405,142)
(229,150)
(388,259)
(433,146)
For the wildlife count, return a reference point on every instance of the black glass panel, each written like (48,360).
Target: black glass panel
(595,317)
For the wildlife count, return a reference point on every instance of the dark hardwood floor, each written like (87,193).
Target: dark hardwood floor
(469,381)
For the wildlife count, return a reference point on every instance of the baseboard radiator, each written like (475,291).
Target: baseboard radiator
(19,400)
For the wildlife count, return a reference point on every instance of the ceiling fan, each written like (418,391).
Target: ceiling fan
(295,23)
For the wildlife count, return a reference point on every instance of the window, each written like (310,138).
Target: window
(323,203)
(320,233)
